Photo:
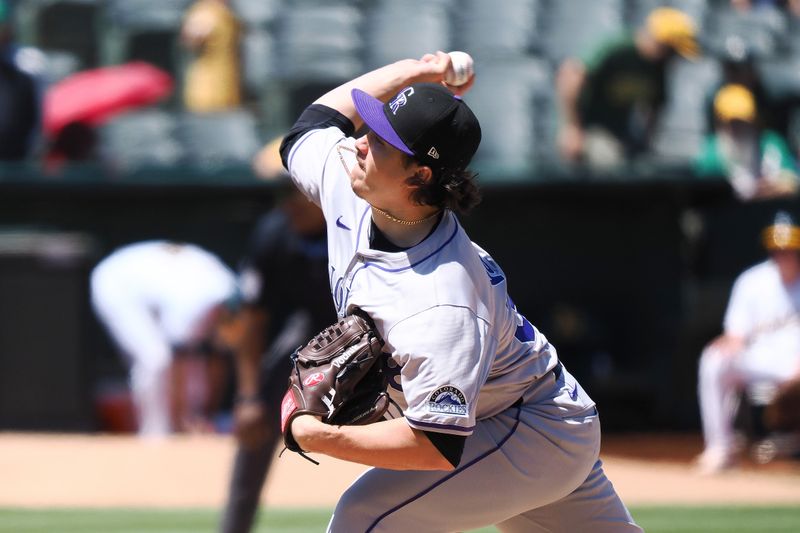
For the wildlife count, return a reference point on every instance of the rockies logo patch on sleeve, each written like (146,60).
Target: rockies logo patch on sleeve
(448,400)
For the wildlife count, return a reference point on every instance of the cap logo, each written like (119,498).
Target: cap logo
(433,153)
(314,379)
(401,99)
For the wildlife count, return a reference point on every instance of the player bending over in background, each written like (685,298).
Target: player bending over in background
(163,304)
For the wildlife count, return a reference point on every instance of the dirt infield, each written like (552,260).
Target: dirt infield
(107,471)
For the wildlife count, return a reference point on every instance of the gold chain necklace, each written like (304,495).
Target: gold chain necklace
(393,218)
(404,222)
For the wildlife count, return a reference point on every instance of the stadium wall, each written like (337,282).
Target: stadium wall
(627,278)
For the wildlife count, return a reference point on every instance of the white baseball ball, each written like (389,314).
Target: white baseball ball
(461,69)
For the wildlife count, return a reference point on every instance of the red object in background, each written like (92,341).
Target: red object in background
(94,96)
(115,411)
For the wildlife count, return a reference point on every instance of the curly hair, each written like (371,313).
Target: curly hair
(449,188)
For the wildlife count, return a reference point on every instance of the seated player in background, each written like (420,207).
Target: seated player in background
(760,344)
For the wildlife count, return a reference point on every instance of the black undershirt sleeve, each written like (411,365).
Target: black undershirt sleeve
(315,117)
(450,446)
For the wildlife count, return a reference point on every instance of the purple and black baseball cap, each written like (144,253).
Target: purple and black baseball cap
(426,121)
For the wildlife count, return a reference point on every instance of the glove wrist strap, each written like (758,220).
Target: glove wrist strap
(301,452)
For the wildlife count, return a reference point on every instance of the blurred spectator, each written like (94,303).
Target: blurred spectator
(75,142)
(750,38)
(165,305)
(19,98)
(76,106)
(285,291)
(611,101)
(757,162)
(739,67)
(760,345)
(747,5)
(211,32)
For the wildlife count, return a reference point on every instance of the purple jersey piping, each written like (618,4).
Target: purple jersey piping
(412,265)
(299,143)
(360,226)
(450,475)
(451,427)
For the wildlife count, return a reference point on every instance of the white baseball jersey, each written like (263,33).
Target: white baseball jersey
(767,313)
(153,296)
(459,349)
(465,363)
(177,283)
(764,312)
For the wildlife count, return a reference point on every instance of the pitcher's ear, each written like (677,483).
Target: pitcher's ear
(421,176)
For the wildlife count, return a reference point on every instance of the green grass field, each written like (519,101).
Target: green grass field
(652,519)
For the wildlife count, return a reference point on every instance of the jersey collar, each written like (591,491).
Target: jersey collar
(441,237)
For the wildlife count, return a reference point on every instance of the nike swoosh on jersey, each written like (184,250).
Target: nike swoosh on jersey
(574,393)
(341,224)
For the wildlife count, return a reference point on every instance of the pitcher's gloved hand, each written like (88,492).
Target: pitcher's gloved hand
(339,376)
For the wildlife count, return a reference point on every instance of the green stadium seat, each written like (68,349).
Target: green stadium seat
(399,30)
(488,32)
(141,139)
(507,98)
(219,139)
(683,125)
(573,28)
(318,42)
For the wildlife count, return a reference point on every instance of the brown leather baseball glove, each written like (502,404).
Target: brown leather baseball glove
(783,412)
(339,375)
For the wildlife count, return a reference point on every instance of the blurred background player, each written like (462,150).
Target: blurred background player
(162,304)
(611,99)
(284,282)
(757,162)
(760,346)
